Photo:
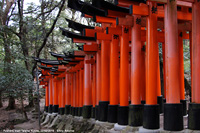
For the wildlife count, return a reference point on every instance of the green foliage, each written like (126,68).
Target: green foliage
(15,80)
(186,50)
(186,56)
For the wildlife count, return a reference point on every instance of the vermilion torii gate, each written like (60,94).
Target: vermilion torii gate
(96,84)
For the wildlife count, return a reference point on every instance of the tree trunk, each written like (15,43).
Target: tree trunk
(24,45)
(3,20)
(48,34)
(30,98)
(43,22)
(1,104)
(187,87)
(11,104)
(23,110)
(162,78)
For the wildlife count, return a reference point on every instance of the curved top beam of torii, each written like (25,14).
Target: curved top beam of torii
(86,8)
(52,67)
(98,8)
(77,26)
(47,68)
(127,3)
(135,9)
(50,62)
(57,55)
(63,57)
(109,6)
(76,35)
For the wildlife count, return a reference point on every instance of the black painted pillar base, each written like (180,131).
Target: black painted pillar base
(160,103)
(61,111)
(103,110)
(80,111)
(50,109)
(55,108)
(164,100)
(173,117)
(46,108)
(135,115)
(143,102)
(93,112)
(151,117)
(184,102)
(67,109)
(112,113)
(72,111)
(194,116)
(76,111)
(123,115)
(97,112)
(87,111)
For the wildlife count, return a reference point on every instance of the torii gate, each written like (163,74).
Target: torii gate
(87,108)
(161,15)
(75,103)
(150,16)
(56,88)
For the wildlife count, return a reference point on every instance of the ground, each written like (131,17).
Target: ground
(13,119)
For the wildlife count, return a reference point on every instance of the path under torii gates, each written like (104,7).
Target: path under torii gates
(115,76)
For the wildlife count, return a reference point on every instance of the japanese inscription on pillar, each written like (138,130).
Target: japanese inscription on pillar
(99,46)
(138,21)
(126,30)
(153,10)
(115,36)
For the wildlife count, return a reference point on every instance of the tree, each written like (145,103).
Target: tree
(4,19)
(32,32)
(18,81)
(24,24)
(48,34)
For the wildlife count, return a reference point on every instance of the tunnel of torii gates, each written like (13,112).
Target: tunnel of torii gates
(115,76)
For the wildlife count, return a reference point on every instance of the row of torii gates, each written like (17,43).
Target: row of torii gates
(115,76)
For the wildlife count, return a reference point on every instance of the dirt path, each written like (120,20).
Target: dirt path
(14,119)
(5,116)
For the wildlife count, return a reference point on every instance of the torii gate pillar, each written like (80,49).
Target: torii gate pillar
(98,78)
(50,110)
(173,116)
(67,94)
(124,76)
(194,107)
(151,108)
(47,87)
(136,108)
(80,92)
(114,79)
(105,80)
(87,91)
(55,96)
